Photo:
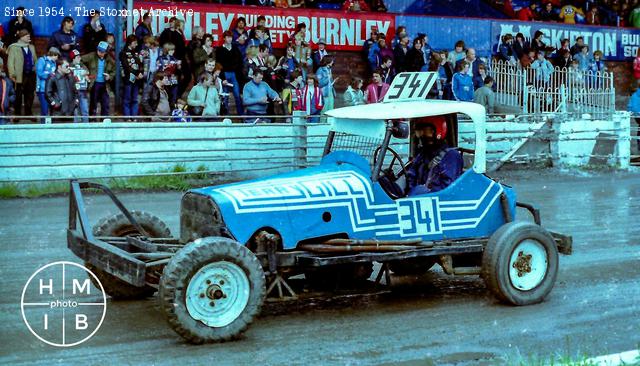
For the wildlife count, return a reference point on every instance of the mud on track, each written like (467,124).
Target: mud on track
(594,308)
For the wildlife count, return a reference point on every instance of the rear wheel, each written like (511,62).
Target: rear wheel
(211,290)
(119,226)
(520,263)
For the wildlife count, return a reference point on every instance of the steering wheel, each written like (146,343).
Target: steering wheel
(389,171)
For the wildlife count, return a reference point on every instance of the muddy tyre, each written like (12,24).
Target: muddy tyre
(212,290)
(339,275)
(412,266)
(118,226)
(520,263)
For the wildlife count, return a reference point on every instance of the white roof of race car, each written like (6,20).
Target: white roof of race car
(370,119)
(409,109)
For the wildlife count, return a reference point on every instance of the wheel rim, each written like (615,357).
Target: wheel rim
(218,293)
(528,265)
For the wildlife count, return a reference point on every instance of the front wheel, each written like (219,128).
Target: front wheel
(211,290)
(520,263)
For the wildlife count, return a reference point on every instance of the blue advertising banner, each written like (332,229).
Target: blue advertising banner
(46,16)
(617,44)
(444,32)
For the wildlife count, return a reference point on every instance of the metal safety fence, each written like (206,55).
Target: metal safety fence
(538,90)
(231,151)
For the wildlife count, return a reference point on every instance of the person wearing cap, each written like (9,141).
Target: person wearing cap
(65,39)
(17,24)
(22,71)
(102,69)
(7,93)
(94,32)
(61,92)
(80,75)
(45,67)
(319,54)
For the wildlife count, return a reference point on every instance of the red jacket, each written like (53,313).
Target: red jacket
(636,67)
(372,93)
(302,100)
(525,14)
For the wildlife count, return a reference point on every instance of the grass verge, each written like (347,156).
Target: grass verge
(174,179)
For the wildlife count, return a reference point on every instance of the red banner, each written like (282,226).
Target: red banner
(341,30)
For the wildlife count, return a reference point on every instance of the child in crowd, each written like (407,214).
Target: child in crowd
(180,113)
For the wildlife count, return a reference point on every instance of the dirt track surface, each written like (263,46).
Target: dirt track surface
(594,308)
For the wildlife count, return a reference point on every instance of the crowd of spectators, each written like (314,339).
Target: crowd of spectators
(618,13)
(169,79)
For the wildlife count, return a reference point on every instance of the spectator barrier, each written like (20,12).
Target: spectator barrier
(563,90)
(243,151)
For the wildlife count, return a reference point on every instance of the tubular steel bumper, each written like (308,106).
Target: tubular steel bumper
(128,259)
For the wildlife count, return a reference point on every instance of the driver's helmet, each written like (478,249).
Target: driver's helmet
(439,124)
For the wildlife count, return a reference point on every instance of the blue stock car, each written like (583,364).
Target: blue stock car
(240,242)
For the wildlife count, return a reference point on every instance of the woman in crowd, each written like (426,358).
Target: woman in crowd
(520,46)
(415,58)
(171,66)
(155,100)
(462,83)
(537,44)
(220,85)
(326,81)
(354,94)
(310,99)
(203,98)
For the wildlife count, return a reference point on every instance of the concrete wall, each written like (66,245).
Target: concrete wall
(239,151)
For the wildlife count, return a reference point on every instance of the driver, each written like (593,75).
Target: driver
(436,165)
